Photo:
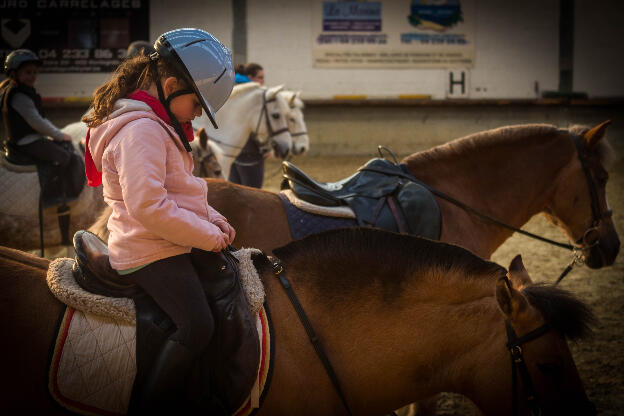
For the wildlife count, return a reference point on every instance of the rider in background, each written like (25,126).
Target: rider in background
(25,129)
(139,47)
(162,227)
(248,167)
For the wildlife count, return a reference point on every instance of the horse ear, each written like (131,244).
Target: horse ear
(518,273)
(272,92)
(203,138)
(511,302)
(594,135)
(291,102)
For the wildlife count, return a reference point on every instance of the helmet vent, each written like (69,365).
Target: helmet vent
(219,77)
(194,41)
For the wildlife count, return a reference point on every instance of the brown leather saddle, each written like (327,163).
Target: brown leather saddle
(227,369)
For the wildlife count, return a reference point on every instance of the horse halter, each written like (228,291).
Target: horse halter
(597,215)
(203,171)
(265,112)
(514,345)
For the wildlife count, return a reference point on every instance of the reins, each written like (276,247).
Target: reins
(253,136)
(278,270)
(582,243)
(514,345)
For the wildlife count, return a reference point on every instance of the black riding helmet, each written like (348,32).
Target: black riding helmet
(19,57)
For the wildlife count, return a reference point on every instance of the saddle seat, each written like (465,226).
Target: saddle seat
(16,161)
(313,191)
(381,193)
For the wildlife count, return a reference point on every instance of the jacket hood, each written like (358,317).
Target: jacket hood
(124,111)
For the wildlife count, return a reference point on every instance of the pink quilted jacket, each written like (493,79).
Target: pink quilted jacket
(159,208)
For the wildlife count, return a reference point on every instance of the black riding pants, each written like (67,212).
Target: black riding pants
(248,173)
(48,151)
(174,285)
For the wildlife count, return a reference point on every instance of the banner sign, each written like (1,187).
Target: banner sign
(73,35)
(393,34)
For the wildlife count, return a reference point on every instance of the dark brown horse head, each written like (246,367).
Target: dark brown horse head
(541,317)
(579,204)
(206,164)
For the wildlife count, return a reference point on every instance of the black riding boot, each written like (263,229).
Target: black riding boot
(165,385)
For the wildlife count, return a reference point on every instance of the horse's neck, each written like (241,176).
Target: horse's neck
(508,180)
(236,121)
(427,332)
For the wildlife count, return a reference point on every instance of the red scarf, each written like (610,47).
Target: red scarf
(94,177)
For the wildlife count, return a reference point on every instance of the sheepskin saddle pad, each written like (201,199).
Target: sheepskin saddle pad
(94,359)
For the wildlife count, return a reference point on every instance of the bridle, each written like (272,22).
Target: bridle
(254,135)
(518,365)
(590,237)
(203,171)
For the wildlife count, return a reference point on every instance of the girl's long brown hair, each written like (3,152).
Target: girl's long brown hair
(132,74)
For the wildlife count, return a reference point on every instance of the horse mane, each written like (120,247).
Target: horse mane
(561,310)
(241,88)
(380,257)
(15,260)
(488,138)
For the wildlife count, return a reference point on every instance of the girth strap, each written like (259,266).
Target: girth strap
(278,269)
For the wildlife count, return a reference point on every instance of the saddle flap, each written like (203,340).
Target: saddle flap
(93,271)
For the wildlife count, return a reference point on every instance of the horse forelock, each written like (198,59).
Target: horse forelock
(603,149)
(350,259)
(561,310)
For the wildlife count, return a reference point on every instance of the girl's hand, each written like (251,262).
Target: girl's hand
(227,229)
(67,137)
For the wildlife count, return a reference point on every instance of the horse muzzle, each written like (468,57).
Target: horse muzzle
(281,148)
(603,251)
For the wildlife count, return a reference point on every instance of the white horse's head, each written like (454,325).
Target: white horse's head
(252,112)
(296,124)
(276,132)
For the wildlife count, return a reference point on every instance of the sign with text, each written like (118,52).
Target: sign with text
(391,34)
(73,36)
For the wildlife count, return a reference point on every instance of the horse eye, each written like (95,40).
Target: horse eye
(292,120)
(275,116)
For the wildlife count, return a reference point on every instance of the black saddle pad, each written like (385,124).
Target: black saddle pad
(303,223)
(61,187)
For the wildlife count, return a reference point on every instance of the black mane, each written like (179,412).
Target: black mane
(361,257)
(561,310)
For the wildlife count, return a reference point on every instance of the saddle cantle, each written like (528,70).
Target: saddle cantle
(228,367)
(382,194)
(93,271)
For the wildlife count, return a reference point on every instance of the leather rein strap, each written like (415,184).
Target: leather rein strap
(514,345)
(278,270)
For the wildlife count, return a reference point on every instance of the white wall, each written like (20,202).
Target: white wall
(516,46)
(598,50)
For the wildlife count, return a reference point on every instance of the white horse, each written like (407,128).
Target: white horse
(296,124)
(19,215)
(251,108)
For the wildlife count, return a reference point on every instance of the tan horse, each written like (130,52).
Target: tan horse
(511,173)
(362,290)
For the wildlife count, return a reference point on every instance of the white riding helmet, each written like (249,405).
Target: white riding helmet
(206,63)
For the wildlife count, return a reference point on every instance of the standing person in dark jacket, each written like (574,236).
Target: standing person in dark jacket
(25,130)
(248,167)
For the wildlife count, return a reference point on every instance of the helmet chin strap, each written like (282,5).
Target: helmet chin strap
(165,102)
